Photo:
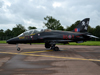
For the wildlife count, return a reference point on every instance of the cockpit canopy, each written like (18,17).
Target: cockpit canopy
(33,31)
(29,32)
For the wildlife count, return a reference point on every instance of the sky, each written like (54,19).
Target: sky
(32,12)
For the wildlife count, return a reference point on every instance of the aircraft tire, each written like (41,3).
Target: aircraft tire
(18,49)
(56,49)
(47,45)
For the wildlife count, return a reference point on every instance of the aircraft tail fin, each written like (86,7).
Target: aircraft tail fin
(82,26)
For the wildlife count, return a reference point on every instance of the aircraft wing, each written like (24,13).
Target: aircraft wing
(60,41)
(64,40)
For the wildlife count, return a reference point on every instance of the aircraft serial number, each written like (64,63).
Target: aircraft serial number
(68,36)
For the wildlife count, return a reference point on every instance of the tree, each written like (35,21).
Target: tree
(97,31)
(18,30)
(31,28)
(73,26)
(91,30)
(1,34)
(1,30)
(8,32)
(52,23)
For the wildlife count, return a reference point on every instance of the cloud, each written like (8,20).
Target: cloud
(1,4)
(32,12)
(56,4)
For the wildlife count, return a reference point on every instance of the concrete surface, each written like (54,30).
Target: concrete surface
(36,60)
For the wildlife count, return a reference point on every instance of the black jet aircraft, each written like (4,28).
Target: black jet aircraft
(52,37)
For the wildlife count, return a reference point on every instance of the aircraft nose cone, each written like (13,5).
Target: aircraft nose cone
(12,40)
(8,41)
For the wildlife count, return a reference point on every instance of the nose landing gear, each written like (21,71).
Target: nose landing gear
(18,48)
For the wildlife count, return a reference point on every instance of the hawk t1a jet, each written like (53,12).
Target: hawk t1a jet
(52,37)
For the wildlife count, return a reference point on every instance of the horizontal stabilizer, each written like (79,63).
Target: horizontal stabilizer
(92,36)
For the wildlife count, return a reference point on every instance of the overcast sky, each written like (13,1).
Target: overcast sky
(32,12)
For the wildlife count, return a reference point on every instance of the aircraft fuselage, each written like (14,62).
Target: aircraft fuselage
(57,36)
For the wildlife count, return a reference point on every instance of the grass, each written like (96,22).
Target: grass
(88,43)
(2,42)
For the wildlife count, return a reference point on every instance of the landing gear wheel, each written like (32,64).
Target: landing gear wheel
(18,49)
(56,48)
(47,45)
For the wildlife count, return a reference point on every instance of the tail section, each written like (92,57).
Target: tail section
(82,26)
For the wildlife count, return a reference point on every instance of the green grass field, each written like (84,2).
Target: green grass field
(2,42)
(88,43)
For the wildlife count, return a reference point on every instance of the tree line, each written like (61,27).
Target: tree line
(51,23)
(7,34)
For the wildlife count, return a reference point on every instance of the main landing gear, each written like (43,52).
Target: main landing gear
(55,48)
(51,45)
(18,48)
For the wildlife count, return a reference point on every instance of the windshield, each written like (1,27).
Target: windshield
(29,32)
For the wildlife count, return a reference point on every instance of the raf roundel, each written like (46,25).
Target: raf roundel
(69,36)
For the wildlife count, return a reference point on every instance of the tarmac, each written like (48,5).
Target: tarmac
(36,60)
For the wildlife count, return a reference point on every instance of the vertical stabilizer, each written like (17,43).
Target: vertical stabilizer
(82,26)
